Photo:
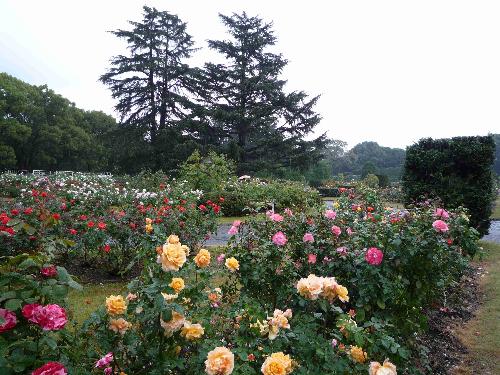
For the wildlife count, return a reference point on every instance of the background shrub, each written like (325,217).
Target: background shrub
(457,171)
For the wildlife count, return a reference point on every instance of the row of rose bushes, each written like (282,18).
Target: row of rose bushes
(340,291)
(106,227)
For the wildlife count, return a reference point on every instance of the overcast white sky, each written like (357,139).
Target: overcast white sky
(388,71)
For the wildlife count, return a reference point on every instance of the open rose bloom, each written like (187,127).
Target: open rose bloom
(374,256)
(50,318)
(51,368)
(279,239)
(440,226)
(8,319)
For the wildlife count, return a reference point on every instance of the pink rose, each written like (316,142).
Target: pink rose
(330,214)
(336,230)
(276,217)
(108,371)
(9,320)
(442,213)
(50,318)
(232,231)
(326,260)
(311,258)
(104,361)
(51,368)
(236,223)
(280,239)
(220,258)
(342,251)
(308,237)
(349,231)
(288,212)
(49,271)
(374,256)
(334,343)
(440,226)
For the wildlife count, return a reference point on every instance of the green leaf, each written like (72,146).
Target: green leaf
(381,304)
(27,264)
(13,304)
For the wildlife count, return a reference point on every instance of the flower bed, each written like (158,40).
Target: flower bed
(338,291)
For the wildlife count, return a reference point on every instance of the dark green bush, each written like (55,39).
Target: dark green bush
(456,171)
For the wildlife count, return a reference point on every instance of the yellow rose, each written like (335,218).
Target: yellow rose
(277,364)
(357,354)
(119,325)
(173,239)
(386,369)
(192,331)
(329,291)
(202,259)
(232,264)
(149,228)
(177,284)
(311,287)
(220,361)
(115,305)
(342,293)
(172,257)
(149,221)
(174,324)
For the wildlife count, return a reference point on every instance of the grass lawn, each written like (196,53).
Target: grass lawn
(84,302)
(481,335)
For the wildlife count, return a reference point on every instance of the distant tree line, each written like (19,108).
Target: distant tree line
(42,130)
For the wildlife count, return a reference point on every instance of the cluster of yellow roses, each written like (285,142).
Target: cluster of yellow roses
(149,225)
(220,361)
(314,287)
(273,324)
(115,305)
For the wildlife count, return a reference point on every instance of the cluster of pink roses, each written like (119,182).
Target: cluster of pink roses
(440,225)
(104,362)
(234,228)
(50,317)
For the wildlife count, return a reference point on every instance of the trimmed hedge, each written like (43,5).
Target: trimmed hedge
(456,171)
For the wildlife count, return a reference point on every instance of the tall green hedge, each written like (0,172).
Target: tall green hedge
(457,171)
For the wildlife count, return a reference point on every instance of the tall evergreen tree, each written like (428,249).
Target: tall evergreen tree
(246,107)
(151,83)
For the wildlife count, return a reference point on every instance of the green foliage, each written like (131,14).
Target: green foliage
(43,130)
(457,171)
(382,160)
(256,195)
(209,174)
(383,180)
(371,180)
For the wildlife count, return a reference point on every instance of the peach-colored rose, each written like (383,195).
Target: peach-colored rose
(192,331)
(174,324)
(202,259)
(311,287)
(115,305)
(177,284)
(386,369)
(119,325)
(220,361)
(172,257)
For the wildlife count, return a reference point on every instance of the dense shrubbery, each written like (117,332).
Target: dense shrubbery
(457,171)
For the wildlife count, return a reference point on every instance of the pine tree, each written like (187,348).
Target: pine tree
(246,108)
(151,82)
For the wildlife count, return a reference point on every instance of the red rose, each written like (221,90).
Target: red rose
(132,225)
(28,310)
(51,368)
(202,207)
(101,225)
(63,206)
(32,238)
(73,231)
(9,320)
(28,211)
(43,194)
(14,212)
(90,224)
(165,200)
(83,217)
(216,209)
(221,199)
(49,271)
(56,216)
(450,241)
(34,193)
(107,248)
